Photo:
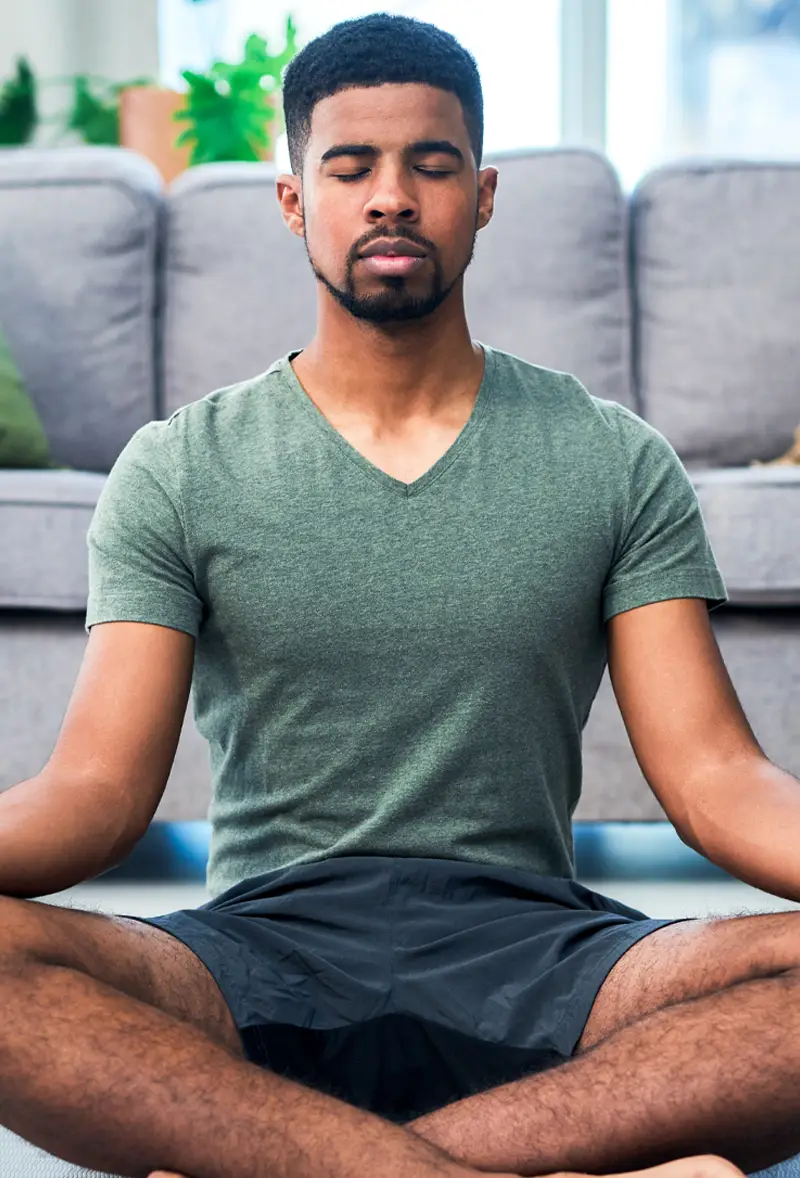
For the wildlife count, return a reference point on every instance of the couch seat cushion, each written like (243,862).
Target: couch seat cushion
(44,518)
(751,514)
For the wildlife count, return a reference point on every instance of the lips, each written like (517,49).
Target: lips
(397,248)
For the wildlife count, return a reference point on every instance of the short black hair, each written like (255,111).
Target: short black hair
(377,50)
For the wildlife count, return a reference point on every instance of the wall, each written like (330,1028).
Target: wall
(117,39)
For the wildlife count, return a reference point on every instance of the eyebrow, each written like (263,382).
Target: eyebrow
(421,147)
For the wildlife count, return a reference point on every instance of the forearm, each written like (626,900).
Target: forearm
(52,838)
(748,823)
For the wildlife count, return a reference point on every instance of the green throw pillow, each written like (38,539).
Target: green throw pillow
(23,441)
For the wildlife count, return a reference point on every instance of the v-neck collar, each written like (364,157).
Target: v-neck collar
(397,486)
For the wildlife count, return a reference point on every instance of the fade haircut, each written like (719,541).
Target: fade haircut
(377,50)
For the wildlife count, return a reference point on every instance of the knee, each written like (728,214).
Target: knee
(770,944)
(21,930)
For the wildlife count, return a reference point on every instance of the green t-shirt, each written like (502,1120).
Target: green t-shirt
(388,668)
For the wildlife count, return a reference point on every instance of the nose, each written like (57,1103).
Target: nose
(392,198)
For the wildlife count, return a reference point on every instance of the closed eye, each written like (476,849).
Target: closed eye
(347,176)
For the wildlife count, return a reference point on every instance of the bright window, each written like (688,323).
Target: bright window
(702,78)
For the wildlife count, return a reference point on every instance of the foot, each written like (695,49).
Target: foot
(702,1166)
(705,1165)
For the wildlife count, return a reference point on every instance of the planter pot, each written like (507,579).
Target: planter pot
(147,126)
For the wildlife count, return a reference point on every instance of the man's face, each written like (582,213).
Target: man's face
(389,164)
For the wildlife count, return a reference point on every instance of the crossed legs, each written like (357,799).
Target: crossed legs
(692,1046)
(102,1078)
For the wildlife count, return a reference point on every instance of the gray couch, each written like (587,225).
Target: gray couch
(123,302)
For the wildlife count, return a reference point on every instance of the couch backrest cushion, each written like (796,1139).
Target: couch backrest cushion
(237,288)
(716,281)
(78,239)
(547,281)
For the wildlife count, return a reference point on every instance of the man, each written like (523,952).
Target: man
(396,563)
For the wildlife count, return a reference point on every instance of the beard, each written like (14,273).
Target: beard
(395,303)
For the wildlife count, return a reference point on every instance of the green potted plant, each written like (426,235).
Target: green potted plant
(93,114)
(19,116)
(232,111)
(96,116)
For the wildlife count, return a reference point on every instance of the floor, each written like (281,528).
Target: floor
(659,898)
(643,864)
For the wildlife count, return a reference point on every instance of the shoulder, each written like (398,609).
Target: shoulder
(547,383)
(562,397)
(226,417)
(645,448)
(220,404)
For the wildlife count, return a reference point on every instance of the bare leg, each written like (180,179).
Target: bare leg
(108,1082)
(718,1074)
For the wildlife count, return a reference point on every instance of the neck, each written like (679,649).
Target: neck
(392,375)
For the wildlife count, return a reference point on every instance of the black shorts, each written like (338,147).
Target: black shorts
(402,984)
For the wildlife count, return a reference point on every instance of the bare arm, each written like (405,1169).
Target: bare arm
(696,749)
(96,796)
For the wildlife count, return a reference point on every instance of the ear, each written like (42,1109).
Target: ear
(289,190)
(487,186)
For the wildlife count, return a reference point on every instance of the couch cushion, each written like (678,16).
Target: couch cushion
(761,649)
(78,230)
(22,438)
(548,281)
(717,286)
(751,516)
(44,518)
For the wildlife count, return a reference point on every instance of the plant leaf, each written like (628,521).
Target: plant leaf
(231,114)
(18,107)
(95,119)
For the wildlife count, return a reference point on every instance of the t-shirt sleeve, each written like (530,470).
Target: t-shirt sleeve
(139,564)
(663,550)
